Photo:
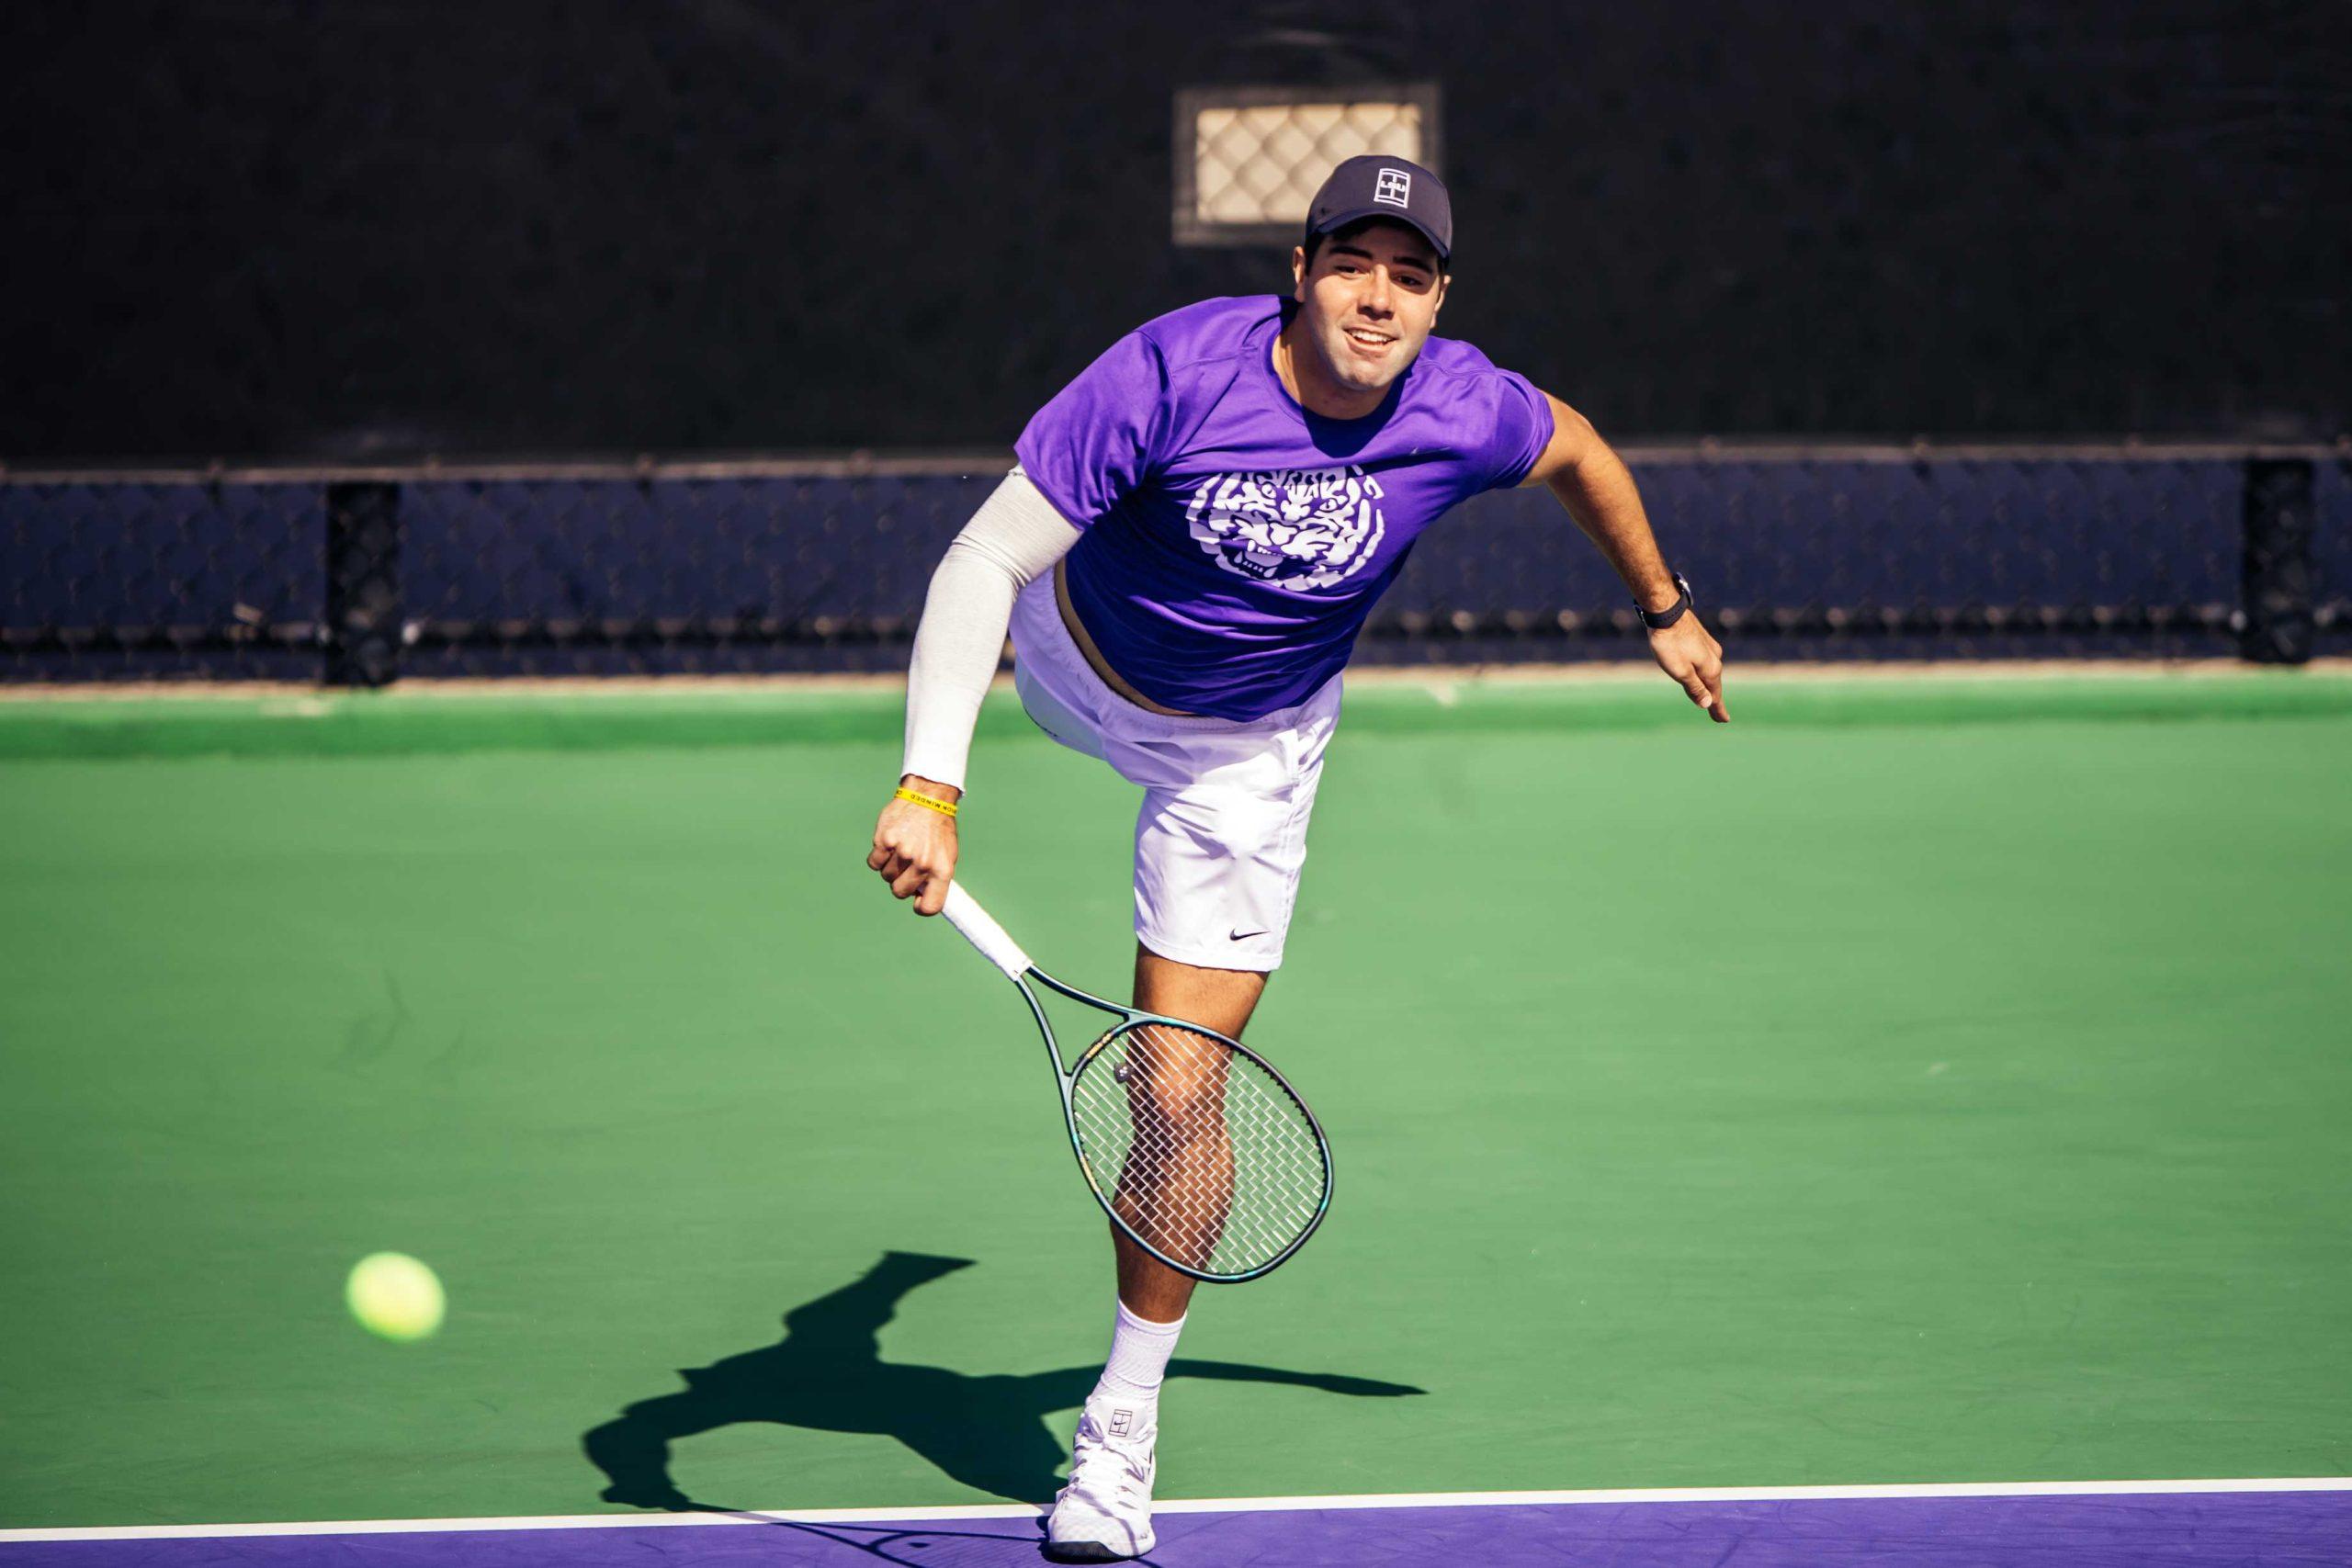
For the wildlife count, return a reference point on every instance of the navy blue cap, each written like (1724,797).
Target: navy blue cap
(1374,186)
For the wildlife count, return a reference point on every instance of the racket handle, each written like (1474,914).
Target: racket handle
(980,928)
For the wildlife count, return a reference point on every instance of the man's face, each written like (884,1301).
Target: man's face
(1368,301)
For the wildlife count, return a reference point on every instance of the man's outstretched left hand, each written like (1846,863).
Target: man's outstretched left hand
(1689,653)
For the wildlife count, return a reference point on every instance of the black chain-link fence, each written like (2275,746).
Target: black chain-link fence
(363,576)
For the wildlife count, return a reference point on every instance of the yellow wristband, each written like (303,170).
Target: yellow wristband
(944,807)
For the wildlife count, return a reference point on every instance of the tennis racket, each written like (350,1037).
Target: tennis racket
(1197,1149)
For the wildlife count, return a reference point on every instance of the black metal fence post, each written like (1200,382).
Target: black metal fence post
(364,609)
(2279,589)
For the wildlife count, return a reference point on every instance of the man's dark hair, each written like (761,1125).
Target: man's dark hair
(1314,242)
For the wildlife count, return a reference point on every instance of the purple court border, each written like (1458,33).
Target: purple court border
(2110,1530)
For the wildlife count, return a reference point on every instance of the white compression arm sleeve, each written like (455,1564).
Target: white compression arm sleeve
(1016,536)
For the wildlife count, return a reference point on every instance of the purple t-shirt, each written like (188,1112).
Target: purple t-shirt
(1235,542)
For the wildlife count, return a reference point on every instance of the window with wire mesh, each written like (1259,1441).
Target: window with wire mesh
(1248,159)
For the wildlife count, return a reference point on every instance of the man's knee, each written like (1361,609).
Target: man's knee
(1221,1000)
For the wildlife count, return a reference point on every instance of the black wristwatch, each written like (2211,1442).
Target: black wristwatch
(1658,621)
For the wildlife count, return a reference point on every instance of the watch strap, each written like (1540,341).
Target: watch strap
(1659,621)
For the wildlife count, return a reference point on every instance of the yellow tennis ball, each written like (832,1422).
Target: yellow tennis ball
(394,1295)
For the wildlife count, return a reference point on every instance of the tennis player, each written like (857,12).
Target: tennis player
(1198,527)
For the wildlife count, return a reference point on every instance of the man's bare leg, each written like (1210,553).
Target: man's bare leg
(1221,1000)
(1182,1183)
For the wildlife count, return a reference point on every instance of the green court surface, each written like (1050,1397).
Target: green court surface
(1928,1080)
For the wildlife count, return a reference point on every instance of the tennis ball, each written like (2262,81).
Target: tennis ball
(393,1295)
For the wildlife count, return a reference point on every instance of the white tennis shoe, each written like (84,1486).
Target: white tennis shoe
(1104,1514)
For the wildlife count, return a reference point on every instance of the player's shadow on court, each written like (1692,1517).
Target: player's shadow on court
(828,1374)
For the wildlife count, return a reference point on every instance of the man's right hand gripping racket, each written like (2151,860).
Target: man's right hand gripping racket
(1196,1148)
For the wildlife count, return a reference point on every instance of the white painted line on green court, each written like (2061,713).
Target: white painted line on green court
(1213,1506)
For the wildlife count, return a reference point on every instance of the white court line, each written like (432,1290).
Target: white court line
(1210,1505)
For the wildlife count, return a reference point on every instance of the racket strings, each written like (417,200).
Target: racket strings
(1218,1166)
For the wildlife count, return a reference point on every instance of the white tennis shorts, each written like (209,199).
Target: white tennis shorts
(1222,835)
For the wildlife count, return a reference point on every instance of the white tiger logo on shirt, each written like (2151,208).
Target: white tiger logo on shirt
(1296,528)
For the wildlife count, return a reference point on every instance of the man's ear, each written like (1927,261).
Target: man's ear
(1445,280)
(1298,273)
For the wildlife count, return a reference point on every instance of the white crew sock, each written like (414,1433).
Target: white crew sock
(1139,1363)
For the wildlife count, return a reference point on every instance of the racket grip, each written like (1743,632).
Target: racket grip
(978,927)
